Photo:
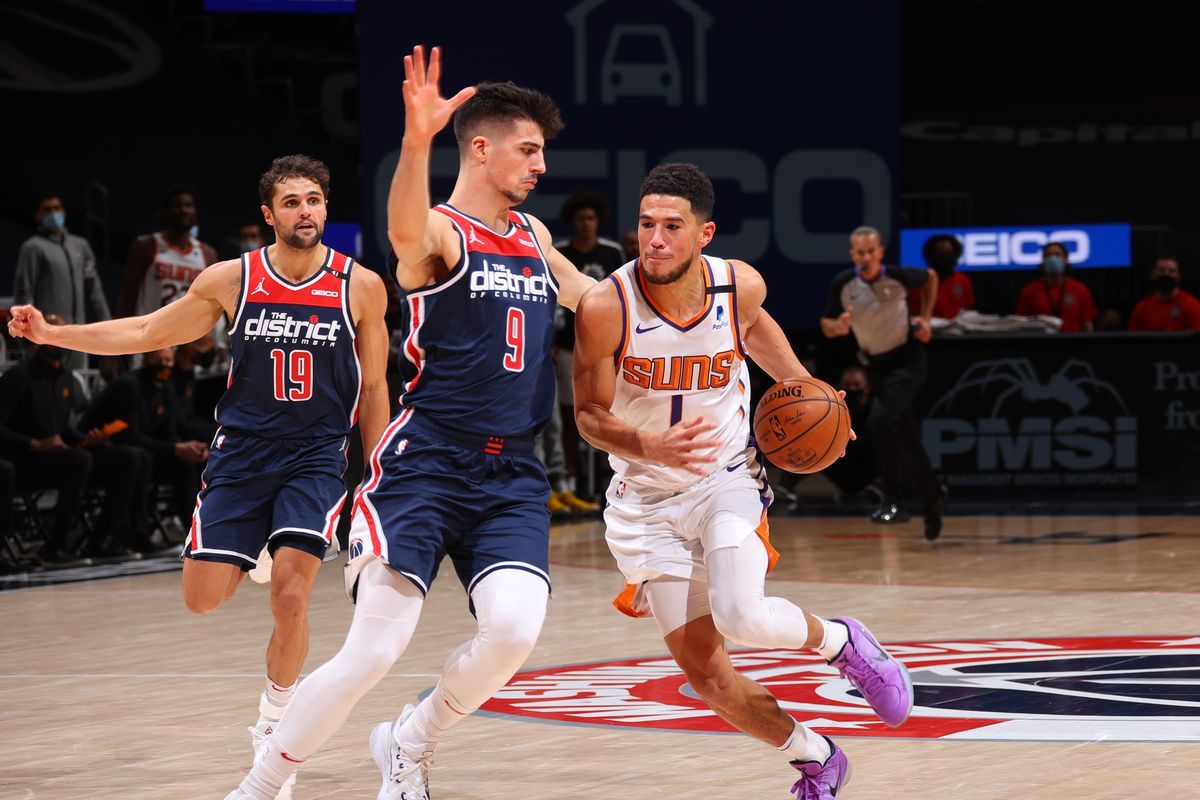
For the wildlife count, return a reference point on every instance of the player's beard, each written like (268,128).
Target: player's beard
(675,274)
(295,240)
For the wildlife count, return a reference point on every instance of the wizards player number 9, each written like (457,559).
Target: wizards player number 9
(515,361)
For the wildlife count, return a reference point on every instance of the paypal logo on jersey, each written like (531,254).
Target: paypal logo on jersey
(497,277)
(280,326)
(722,319)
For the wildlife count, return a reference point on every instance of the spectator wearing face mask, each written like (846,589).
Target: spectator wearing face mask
(1169,308)
(145,400)
(56,271)
(243,239)
(1056,294)
(954,292)
(857,472)
(162,265)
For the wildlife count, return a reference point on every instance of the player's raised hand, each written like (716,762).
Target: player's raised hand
(684,445)
(26,322)
(425,110)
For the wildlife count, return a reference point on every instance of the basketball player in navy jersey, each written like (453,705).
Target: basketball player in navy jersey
(309,349)
(454,473)
(661,383)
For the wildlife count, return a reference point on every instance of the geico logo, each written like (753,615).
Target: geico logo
(498,278)
(325,293)
(288,327)
(991,249)
(1075,443)
(679,373)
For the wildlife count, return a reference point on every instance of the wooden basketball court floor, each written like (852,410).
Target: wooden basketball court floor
(109,689)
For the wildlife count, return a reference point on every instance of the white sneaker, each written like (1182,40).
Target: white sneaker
(258,740)
(405,775)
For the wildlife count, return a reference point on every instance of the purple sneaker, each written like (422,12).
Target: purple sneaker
(822,781)
(882,680)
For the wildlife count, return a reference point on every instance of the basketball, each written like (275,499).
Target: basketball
(802,425)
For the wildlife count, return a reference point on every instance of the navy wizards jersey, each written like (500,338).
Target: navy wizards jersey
(476,352)
(295,372)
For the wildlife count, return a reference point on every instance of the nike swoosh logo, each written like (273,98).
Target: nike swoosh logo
(735,466)
(640,329)
(289,758)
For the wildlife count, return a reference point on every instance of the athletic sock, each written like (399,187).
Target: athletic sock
(804,745)
(833,639)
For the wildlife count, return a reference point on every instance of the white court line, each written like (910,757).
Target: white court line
(169,675)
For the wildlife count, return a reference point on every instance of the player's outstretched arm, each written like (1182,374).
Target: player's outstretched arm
(417,243)
(187,319)
(368,297)
(598,335)
(571,282)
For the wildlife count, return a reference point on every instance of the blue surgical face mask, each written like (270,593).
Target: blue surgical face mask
(1054,265)
(54,222)
(194,231)
(248,246)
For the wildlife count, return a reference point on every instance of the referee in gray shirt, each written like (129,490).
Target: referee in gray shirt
(871,301)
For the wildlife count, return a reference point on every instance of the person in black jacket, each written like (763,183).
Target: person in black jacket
(50,453)
(145,400)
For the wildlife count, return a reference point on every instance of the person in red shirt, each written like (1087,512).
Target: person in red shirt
(1057,295)
(942,252)
(1169,308)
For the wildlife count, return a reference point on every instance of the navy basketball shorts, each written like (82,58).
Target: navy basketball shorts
(433,492)
(277,492)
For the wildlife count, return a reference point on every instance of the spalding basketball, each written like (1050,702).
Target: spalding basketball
(802,425)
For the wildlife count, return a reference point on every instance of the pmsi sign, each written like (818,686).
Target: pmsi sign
(1021,248)
(1076,443)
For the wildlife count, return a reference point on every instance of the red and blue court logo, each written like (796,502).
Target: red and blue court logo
(1127,688)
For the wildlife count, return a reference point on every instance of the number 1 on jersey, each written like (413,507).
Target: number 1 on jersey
(514,334)
(297,383)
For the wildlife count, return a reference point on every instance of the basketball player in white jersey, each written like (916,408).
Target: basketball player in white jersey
(162,265)
(662,384)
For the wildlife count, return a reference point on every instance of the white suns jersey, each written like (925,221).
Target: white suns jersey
(169,275)
(671,370)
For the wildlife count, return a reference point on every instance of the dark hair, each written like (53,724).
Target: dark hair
(685,181)
(1158,258)
(296,166)
(581,199)
(1060,246)
(174,192)
(933,241)
(43,197)
(505,102)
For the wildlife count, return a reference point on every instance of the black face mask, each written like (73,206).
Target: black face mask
(943,263)
(156,374)
(855,397)
(205,359)
(50,353)
(1164,284)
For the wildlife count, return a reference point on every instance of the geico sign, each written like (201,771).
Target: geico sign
(1073,443)
(778,189)
(1023,248)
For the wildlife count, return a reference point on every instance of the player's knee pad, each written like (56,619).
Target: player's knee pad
(511,606)
(744,620)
